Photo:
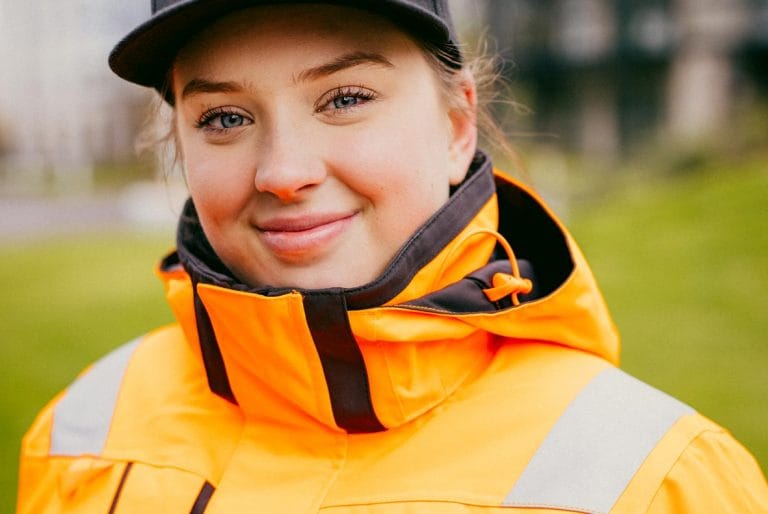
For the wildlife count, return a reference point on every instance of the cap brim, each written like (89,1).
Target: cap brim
(146,54)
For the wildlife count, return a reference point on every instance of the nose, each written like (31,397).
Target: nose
(288,166)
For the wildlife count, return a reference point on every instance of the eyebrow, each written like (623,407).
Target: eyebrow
(343,62)
(199,86)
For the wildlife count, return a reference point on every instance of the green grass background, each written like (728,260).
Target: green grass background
(683,264)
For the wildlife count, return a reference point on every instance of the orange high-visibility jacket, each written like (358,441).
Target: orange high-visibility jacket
(446,386)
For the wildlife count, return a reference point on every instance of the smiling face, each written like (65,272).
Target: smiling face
(315,141)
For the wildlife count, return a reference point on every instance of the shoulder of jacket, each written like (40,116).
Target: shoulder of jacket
(78,420)
(703,468)
(622,445)
(146,407)
(617,438)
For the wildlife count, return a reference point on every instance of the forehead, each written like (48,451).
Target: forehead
(287,33)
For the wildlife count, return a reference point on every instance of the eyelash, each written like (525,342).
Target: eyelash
(204,122)
(358,92)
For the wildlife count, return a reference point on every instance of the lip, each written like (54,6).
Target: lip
(302,236)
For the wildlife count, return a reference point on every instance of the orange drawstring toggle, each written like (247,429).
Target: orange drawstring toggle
(506,285)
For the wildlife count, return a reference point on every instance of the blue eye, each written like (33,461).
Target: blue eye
(222,119)
(231,120)
(343,99)
(344,102)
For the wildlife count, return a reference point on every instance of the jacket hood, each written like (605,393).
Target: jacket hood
(377,356)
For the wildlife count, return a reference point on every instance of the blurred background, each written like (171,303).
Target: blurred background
(644,123)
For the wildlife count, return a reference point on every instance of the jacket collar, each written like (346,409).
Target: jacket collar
(373,357)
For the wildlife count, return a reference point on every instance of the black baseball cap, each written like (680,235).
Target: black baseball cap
(146,54)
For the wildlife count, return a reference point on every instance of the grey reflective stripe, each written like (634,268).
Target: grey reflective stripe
(82,418)
(596,447)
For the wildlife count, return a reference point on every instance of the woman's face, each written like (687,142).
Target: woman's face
(315,141)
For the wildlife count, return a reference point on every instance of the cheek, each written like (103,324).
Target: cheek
(398,167)
(406,151)
(216,177)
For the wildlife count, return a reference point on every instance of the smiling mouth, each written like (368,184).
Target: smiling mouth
(293,238)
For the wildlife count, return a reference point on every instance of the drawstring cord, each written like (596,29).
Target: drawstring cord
(504,284)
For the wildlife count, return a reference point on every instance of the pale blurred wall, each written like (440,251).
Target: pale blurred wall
(703,81)
(61,109)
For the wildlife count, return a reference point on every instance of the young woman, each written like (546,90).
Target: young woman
(370,318)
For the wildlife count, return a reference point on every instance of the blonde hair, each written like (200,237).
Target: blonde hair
(485,69)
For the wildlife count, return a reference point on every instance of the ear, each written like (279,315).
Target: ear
(463,137)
